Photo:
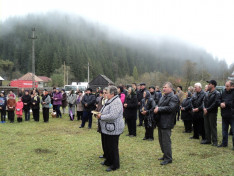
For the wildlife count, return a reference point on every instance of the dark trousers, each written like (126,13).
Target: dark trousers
(112,150)
(178,114)
(141,118)
(210,122)
(225,125)
(188,125)
(57,109)
(79,115)
(11,116)
(87,115)
(3,115)
(149,131)
(27,114)
(131,122)
(19,119)
(45,112)
(164,136)
(103,144)
(198,127)
(36,114)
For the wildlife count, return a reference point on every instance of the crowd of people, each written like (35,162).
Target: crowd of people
(117,106)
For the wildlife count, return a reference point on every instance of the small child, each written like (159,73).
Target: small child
(19,109)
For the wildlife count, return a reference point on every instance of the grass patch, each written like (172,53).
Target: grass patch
(60,147)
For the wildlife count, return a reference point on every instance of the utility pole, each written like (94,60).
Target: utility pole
(88,72)
(33,56)
(64,70)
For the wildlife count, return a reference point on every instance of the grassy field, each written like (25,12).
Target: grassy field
(61,148)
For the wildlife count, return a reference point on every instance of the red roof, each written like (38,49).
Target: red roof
(44,78)
(28,77)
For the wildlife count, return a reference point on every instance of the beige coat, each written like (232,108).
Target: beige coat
(79,105)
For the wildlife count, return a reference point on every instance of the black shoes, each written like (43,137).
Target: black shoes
(81,127)
(161,158)
(104,163)
(215,144)
(144,138)
(111,169)
(166,162)
(221,145)
(150,139)
(205,142)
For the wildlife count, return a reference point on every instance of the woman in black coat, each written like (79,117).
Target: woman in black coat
(186,115)
(35,102)
(147,109)
(130,111)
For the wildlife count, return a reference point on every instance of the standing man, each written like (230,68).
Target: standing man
(88,102)
(139,98)
(180,94)
(166,111)
(197,111)
(211,104)
(226,113)
(26,99)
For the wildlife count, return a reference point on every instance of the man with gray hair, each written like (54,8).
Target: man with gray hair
(166,111)
(197,111)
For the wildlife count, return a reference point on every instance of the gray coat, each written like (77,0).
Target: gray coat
(111,120)
(71,100)
(47,101)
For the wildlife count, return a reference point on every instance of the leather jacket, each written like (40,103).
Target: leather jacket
(212,101)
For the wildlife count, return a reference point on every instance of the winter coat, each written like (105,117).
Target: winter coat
(122,97)
(71,100)
(47,100)
(58,96)
(140,95)
(90,100)
(11,103)
(26,99)
(19,108)
(111,120)
(155,96)
(167,108)
(186,113)
(148,105)
(35,101)
(227,98)
(79,103)
(130,112)
(197,102)
(212,101)
(64,100)
(3,103)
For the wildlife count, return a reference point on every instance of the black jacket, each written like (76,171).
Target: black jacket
(155,96)
(26,99)
(212,101)
(227,98)
(130,112)
(167,108)
(186,113)
(89,99)
(148,105)
(36,101)
(140,94)
(197,102)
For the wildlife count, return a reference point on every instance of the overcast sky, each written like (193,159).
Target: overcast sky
(206,23)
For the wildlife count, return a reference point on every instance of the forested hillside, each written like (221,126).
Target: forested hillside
(62,37)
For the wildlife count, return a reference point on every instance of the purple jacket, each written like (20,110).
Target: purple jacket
(59,97)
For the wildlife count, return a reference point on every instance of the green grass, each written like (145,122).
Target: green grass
(61,148)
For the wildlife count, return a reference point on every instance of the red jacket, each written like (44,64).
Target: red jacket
(19,108)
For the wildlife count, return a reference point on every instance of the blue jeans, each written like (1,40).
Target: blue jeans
(87,115)
(27,114)
(225,124)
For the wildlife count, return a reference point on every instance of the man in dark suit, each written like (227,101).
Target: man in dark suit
(139,98)
(166,111)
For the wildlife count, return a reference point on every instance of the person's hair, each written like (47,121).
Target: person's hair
(180,87)
(134,84)
(169,84)
(231,83)
(121,88)
(112,90)
(198,84)
(106,88)
(157,87)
